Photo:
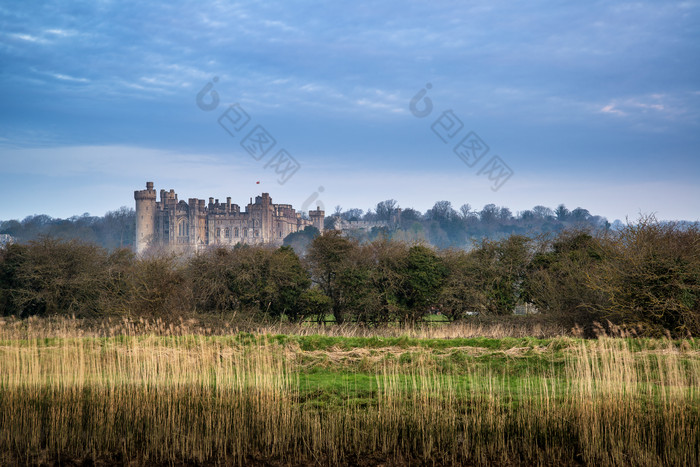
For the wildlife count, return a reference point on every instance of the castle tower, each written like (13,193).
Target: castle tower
(266,222)
(317,218)
(145,217)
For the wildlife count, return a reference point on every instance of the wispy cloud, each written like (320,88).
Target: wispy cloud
(63,77)
(61,32)
(28,38)
(610,109)
(665,106)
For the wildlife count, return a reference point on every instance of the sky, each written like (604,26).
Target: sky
(593,104)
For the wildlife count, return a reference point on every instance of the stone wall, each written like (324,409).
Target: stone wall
(174,224)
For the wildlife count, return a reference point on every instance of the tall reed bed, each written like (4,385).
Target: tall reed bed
(245,398)
(35,327)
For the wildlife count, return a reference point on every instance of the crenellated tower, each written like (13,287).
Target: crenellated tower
(145,217)
(317,218)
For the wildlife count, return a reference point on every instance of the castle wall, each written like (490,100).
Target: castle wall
(342,224)
(194,224)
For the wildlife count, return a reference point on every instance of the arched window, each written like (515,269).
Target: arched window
(235,232)
(183,229)
(227,233)
(218,233)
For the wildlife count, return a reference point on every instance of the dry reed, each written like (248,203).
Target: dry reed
(175,397)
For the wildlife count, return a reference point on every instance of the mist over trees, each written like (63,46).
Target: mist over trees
(442,225)
(116,229)
(446,227)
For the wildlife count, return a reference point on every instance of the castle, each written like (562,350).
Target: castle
(196,225)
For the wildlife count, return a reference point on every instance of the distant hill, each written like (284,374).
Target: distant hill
(113,230)
(446,227)
(441,226)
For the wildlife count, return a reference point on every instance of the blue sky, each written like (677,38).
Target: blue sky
(592,104)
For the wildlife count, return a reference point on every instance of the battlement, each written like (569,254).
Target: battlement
(197,224)
(317,213)
(148,194)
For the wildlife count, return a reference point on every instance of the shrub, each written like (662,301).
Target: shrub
(558,279)
(652,277)
(50,276)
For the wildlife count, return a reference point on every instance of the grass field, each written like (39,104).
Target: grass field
(158,394)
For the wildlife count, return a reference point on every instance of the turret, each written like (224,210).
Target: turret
(317,218)
(145,217)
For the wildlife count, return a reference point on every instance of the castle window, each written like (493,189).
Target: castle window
(257,234)
(235,232)
(245,232)
(218,233)
(183,229)
(227,233)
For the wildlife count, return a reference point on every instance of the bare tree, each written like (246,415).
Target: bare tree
(441,211)
(466,211)
(352,214)
(488,214)
(385,209)
(543,212)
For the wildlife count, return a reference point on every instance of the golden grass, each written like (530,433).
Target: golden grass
(153,398)
(33,327)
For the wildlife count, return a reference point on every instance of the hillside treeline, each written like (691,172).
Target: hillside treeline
(116,229)
(446,227)
(441,226)
(645,276)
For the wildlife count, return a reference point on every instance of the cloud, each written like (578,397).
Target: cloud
(543,78)
(674,107)
(610,109)
(101,161)
(69,78)
(28,38)
(61,32)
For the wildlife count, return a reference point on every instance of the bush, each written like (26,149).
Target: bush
(210,275)
(158,286)
(49,276)
(558,279)
(652,277)
(315,304)
(261,278)
(487,279)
